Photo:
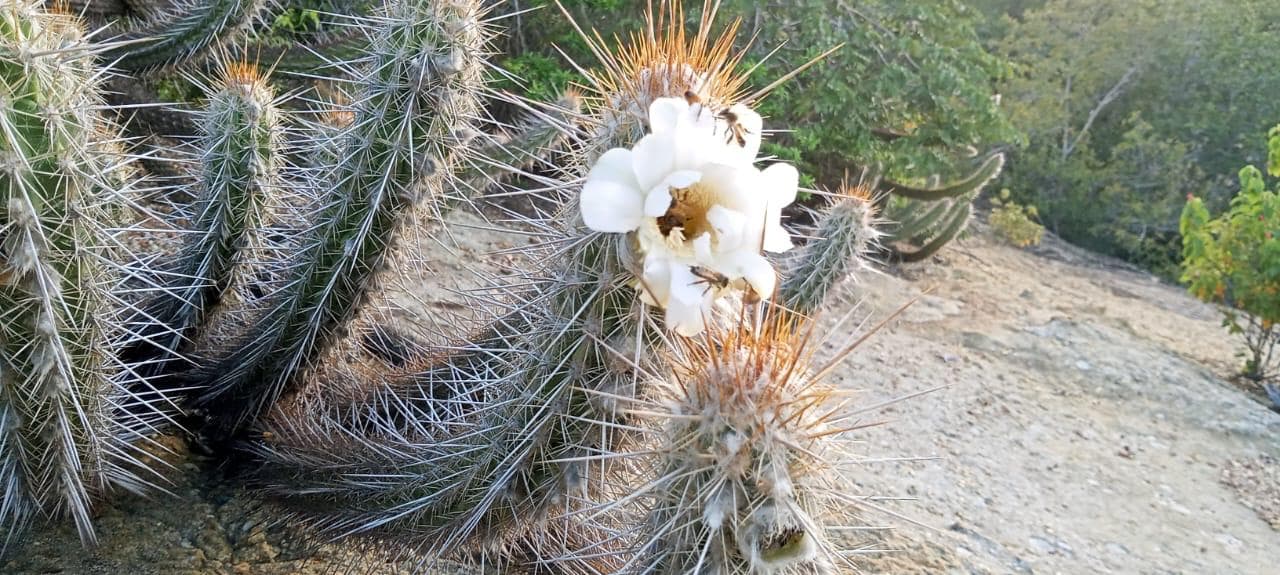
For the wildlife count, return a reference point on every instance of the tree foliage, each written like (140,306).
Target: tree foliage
(1127,107)
(1234,260)
(911,88)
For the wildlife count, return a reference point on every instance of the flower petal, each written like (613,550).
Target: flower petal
(657,201)
(780,182)
(689,304)
(730,226)
(702,249)
(666,113)
(753,268)
(653,157)
(776,238)
(610,207)
(615,166)
(656,281)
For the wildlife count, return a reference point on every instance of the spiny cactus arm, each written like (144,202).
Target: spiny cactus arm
(845,236)
(526,409)
(66,405)
(422,84)
(320,56)
(186,31)
(499,157)
(919,221)
(240,151)
(956,222)
(971,184)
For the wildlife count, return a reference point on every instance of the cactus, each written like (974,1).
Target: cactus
(932,216)
(421,86)
(844,238)
(745,482)
(68,420)
(240,142)
(516,431)
(954,217)
(187,29)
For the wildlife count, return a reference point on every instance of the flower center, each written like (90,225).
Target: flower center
(688,213)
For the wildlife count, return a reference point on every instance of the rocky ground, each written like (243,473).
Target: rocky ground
(1086,426)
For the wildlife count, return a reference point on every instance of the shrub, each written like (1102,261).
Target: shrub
(1234,261)
(1015,222)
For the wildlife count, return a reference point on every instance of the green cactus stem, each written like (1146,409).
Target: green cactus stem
(67,417)
(423,78)
(186,30)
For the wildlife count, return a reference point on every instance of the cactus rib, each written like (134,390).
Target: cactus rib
(67,416)
(423,79)
(186,30)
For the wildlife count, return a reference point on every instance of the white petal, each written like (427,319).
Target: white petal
(702,248)
(653,158)
(666,113)
(729,225)
(657,281)
(752,267)
(776,238)
(780,182)
(657,201)
(615,166)
(730,185)
(690,302)
(683,178)
(686,320)
(609,207)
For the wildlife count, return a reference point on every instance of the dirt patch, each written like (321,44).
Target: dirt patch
(1257,483)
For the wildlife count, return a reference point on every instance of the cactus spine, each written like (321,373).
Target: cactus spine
(187,29)
(423,77)
(240,144)
(845,236)
(66,416)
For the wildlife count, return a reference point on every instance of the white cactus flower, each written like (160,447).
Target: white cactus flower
(701,210)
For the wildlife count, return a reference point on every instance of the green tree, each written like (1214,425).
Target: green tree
(911,89)
(1234,261)
(1129,106)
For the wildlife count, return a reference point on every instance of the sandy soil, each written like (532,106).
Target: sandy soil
(1085,426)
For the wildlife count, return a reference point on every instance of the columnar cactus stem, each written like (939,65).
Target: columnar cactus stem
(66,416)
(424,75)
(957,218)
(747,482)
(186,30)
(240,154)
(971,184)
(845,236)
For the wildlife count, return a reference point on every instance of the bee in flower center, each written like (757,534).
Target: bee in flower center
(687,213)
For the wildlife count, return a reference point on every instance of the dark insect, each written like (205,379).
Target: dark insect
(709,278)
(735,131)
(784,540)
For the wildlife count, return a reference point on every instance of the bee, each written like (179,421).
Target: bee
(736,133)
(673,218)
(693,99)
(709,278)
(786,540)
